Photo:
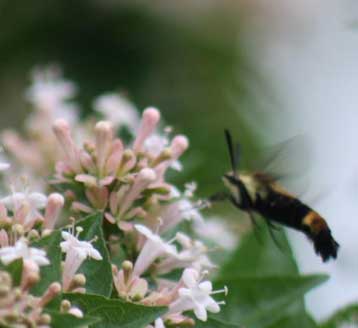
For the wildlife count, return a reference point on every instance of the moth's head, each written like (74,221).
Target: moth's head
(231,181)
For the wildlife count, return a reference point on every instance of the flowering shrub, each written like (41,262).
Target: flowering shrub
(93,234)
(109,231)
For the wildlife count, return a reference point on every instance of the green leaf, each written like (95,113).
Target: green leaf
(258,255)
(215,323)
(264,282)
(115,313)
(98,273)
(295,320)
(15,271)
(347,316)
(49,273)
(260,301)
(65,320)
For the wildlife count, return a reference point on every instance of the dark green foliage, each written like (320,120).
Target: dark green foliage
(98,273)
(115,313)
(49,273)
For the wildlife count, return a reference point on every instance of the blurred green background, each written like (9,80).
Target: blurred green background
(186,62)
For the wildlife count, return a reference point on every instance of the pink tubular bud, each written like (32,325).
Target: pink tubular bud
(179,145)
(4,238)
(87,162)
(98,197)
(150,119)
(146,175)
(63,134)
(144,178)
(52,291)
(54,206)
(115,158)
(104,138)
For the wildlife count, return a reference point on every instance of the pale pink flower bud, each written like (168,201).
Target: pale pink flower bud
(104,137)
(144,178)
(179,145)
(127,163)
(4,238)
(63,134)
(87,179)
(76,312)
(150,119)
(52,291)
(115,157)
(54,206)
(98,197)
(80,207)
(87,162)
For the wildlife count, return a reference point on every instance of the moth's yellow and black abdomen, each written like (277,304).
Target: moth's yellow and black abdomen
(288,210)
(318,231)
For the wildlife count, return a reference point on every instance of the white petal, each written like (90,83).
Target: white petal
(65,235)
(159,323)
(184,292)
(206,286)
(96,255)
(4,166)
(38,200)
(144,230)
(212,306)
(183,239)
(190,277)
(200,312)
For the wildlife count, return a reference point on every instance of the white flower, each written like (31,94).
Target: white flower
(193,254)
(34,256)
(36,200)
(212,228)
(189,211)
(152,249)
(190,189)
(118,110)
(26,206)
(159,323)
(155,144)
(4,166)
(83,249)
(76,252)
(49,90)
(174,192)
(196,296)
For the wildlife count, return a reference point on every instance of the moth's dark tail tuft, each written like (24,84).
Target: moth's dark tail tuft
(325,245)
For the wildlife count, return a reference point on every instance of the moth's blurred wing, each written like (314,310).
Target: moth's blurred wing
(289,162)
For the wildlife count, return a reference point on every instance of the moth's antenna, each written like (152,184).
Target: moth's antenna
(232,153)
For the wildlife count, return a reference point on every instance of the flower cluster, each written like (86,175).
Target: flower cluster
(124,182)
(28,215)
(97,173)
(18,307)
